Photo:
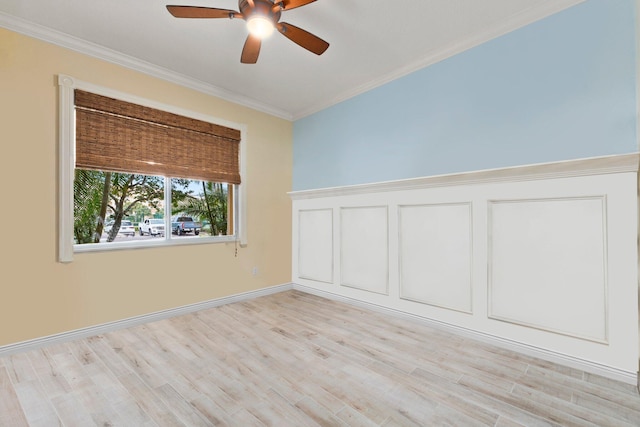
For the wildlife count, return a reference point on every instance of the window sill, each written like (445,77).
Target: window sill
(159,242)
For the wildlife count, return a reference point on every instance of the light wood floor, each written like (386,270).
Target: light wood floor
(293,359)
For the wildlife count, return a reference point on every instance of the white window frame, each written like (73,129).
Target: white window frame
(67,144)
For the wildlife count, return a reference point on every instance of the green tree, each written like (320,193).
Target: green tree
(211,204)
(180,192)
(127,190)
(98,193)
(88,216)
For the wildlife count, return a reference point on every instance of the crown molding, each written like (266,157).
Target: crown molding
(513,23)
(97,51)
(67,41)
(621,163)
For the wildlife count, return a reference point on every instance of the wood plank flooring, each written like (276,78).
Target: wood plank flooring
(294,359)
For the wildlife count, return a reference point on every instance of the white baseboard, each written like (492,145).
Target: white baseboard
(585,365)
(137,320)
(529,350)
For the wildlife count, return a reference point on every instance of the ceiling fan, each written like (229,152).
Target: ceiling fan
(262,17)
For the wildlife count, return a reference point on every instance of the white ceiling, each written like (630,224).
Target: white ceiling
(371,42)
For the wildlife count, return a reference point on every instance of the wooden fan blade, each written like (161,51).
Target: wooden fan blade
(303,38)
(202,12)
(251,50)
(292,4)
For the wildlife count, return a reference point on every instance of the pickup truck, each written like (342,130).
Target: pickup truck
(152,227)
(185,224)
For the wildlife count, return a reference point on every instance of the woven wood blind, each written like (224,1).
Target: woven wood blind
(119,136)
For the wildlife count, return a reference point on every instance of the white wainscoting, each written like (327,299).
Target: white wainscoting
(546,255)
(539,257)
(315,244)
(435,255)
(364,248)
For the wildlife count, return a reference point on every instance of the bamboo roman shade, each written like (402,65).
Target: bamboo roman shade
(119,136)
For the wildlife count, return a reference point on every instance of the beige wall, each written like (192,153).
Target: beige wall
(38,295)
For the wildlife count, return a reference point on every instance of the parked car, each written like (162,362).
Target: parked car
(185,224)
(126,228)
(152,227)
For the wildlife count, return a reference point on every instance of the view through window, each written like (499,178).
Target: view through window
(117,207)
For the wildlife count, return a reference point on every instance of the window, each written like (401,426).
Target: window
(126,207)
(134,173)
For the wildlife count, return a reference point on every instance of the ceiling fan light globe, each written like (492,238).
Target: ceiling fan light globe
(260,26)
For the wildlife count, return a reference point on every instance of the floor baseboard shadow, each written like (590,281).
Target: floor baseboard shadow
(137,320)
(529,350)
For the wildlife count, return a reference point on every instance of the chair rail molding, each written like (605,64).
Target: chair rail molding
(539,171)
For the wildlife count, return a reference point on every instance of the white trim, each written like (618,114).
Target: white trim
(66,147)
(241,192)
(585,365)
(511,24)
(565,169)
(137,320)
(529,350)
(40,32)
(67,85)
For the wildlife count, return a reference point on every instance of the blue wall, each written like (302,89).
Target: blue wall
(561,88)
